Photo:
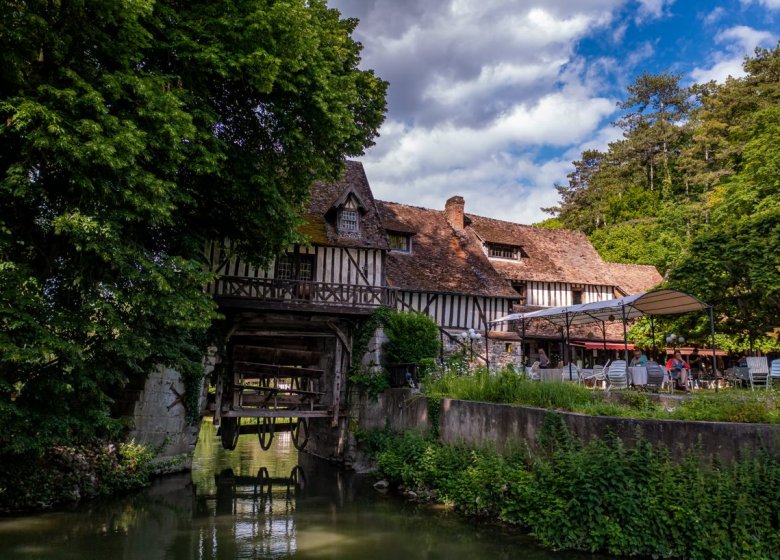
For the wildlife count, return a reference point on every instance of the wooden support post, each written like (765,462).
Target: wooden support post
(218,400)
(337,383)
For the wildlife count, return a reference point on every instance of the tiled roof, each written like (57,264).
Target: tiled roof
(322,230)
(554,255)
(634,278)
(442,260)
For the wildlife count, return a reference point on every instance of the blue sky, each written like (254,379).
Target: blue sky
(493,99)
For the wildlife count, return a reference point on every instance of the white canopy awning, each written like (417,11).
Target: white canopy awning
(659,302)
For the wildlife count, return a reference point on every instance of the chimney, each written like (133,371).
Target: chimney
(453,211)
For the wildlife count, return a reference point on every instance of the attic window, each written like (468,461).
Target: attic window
(348,221)
(502,251)
(401,242)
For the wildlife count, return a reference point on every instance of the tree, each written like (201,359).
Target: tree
(657,108)
(735,262)
(130,133)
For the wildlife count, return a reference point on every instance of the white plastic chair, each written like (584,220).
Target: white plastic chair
(758,372)
(774,371)
(618,375)
(533,372)
(572,373)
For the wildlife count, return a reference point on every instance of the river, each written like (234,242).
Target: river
(216,513)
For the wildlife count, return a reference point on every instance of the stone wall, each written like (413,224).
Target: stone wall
(502,426)
(159,418)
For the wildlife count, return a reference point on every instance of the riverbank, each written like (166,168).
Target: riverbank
(599,496)
(65,475)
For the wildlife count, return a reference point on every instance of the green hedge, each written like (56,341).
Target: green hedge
(600,497)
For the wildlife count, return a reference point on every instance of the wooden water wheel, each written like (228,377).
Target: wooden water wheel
(300,433)
(229,432)
(265,432)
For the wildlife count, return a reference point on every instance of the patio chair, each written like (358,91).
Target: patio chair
(655,375)
(774,371)
(533,372)
(617,375)
(758,372)
(571,373)
(596,375)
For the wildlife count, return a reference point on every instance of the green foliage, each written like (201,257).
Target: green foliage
(412,338)
(509,387)
(602,496)
(693,189)
(374,381)
(68,474)
(119,160)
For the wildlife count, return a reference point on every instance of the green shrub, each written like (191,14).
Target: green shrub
(413,338)
(602,497)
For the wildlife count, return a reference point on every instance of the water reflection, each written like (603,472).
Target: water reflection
(253,504)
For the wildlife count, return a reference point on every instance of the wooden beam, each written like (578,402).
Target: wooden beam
(337,384)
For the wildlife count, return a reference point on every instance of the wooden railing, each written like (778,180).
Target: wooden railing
(303,292)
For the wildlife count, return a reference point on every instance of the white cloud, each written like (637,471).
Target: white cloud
(653,9)
(714,16)
(487,97)
(769,4)
(738,42)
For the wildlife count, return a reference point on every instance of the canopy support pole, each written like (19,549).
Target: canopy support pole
(652,335)
(712,340)
(604,336)
(625,335)
(522,345)
(568,349)
(487,347)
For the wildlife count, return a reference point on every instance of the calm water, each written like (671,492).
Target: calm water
(214,514)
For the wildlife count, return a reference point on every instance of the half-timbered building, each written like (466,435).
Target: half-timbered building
(466,271)
(287,340)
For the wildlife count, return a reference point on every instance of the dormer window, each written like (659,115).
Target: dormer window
(503,251)
(400,242)
(348,221)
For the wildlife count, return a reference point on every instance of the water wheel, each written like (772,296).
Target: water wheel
(298,478)
(300,433)
(265,432)
(229,433)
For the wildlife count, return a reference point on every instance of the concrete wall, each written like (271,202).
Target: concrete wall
(502,426)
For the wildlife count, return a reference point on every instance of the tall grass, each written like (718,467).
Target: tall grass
(510,387)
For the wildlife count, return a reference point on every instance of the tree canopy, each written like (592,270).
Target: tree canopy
(693,188)
(130,133)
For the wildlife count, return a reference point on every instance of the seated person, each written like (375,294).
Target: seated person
(544,361)
(639,358)
(678,369)
(696,363)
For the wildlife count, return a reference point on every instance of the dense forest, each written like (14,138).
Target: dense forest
(693,187)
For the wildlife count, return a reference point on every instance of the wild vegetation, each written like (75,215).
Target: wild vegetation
(693,188)
(130,134)
(599,497)
(511,387)
(412,338)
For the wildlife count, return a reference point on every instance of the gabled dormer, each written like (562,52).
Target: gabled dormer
(346,213)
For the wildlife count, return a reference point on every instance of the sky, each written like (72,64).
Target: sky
(493,99)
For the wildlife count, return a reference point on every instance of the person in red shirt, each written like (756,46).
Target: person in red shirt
(678,369)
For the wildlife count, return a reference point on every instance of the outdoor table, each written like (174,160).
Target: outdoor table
(551,374)
(638,375)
